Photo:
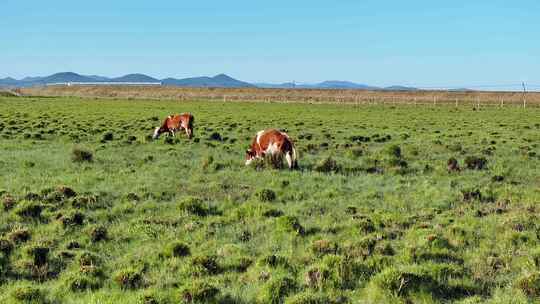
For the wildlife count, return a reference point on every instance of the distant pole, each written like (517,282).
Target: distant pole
(524,92)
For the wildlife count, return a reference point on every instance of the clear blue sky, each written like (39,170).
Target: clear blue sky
(424,43)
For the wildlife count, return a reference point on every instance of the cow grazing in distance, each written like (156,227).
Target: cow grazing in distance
(174,123)
(272,143)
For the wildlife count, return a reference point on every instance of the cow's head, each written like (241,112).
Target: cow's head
(157,132)
(250,156)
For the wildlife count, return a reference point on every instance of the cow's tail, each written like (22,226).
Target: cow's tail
(191,123)
(191,120)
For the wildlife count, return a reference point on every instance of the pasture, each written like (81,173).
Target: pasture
(94,211)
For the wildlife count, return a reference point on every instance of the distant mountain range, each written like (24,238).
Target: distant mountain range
(218,81)
(333,84)
(330,84)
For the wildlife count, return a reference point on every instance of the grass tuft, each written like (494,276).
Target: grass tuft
(328,165)
(80,155)
(476,163)
(177,249)
(266,195)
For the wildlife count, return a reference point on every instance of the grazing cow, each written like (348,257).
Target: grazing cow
(174,123)
(274,143)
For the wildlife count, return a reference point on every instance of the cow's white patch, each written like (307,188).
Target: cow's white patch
(248,161)
(259,135)
(272,149)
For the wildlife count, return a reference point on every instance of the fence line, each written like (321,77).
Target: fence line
(476,103)
(433,98)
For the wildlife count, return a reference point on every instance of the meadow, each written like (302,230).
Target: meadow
(391,204)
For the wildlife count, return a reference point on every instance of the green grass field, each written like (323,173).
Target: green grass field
(93,211)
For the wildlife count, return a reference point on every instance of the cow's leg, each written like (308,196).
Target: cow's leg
(289,159)
(277,160)
(185,130)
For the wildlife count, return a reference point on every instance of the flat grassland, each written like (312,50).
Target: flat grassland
(93,211)
(362,97)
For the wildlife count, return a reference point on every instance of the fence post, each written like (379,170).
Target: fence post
(524,98)
(456,102)
(502,102)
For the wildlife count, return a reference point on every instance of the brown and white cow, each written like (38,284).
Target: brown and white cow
(174,123)
(273,143)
